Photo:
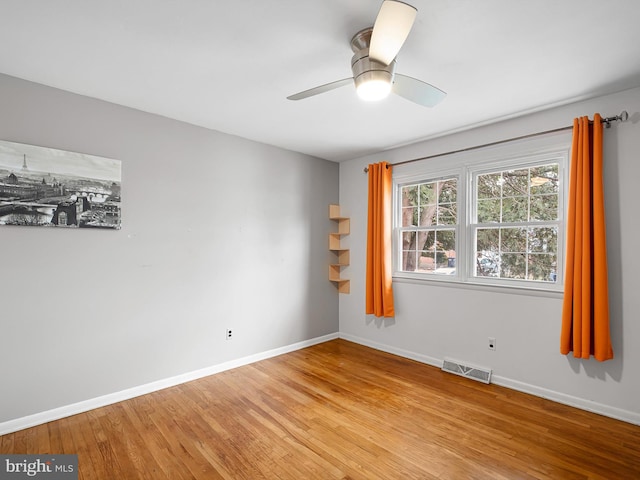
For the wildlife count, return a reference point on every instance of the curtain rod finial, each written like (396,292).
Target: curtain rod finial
(623,117)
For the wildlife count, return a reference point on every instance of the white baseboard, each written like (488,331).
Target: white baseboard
(581,403)
(86,405)
(577,402)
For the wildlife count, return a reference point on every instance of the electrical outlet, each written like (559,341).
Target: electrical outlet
(229,334)
(492,343)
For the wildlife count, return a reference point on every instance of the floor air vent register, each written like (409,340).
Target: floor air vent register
(481,374)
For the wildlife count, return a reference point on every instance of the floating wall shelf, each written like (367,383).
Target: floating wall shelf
(341,254)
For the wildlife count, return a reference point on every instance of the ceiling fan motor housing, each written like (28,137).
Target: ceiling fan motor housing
(363,67)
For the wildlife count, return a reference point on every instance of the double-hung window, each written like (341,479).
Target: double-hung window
(428,225)
(486,219)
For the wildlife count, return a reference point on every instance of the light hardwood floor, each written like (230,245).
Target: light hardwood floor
(338,411)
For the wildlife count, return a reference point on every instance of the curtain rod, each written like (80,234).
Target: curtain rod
(623,117)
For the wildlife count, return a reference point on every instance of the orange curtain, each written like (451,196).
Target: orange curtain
(379,289)
(585,312)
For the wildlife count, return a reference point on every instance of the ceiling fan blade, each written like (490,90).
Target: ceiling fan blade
(393,24)
(321,89)
(417,91)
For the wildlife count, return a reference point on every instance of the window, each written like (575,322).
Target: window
(515,223)
(487,220)
(429,222)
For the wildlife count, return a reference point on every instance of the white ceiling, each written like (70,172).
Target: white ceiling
(229,65)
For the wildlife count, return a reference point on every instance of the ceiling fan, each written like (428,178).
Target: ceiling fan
(374,61)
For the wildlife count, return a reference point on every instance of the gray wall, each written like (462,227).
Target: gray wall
(434,321)
(218,232)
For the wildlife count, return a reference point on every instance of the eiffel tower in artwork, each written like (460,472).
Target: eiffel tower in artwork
(24,162)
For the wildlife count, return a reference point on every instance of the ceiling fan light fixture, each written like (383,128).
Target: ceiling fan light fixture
(373,80)
(374,89)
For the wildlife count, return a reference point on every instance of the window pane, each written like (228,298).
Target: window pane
(542,267)
(490,186)
(428,215)
(447,214)
(488,264)
(513,240)
(544,179)
(544,207)
(488,239)
(428,193)
(409,258)
(409,216)
(409,205)
(446,240)
(513,265)
(425,246)
(425,240)
(488,252)
(516,183)
(410,193)
(448,191)
(489,211)
(446,252)
(427,261)
(515,209)
(543,240)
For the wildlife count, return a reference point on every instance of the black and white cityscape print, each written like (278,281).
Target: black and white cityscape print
(54,188)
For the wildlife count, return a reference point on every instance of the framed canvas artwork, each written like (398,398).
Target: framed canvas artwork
(46,187)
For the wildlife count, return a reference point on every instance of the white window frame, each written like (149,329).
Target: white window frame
(466,167)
